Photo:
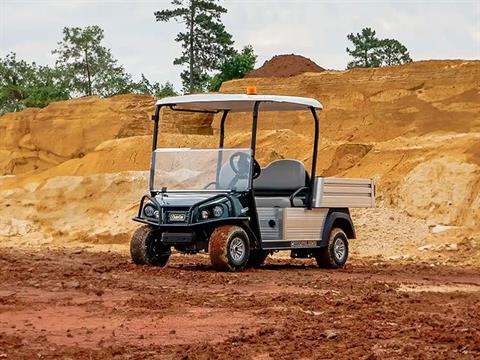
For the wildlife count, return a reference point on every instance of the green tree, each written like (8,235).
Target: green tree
(15,77)
(392,52)
(370,51)
(234,67)
(93,69)
(50,84)
(205,42)
(144,86)
(25,84)
(365,51)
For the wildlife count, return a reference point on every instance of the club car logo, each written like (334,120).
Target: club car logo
(176,217)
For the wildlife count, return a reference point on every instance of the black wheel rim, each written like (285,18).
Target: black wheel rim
(154,246)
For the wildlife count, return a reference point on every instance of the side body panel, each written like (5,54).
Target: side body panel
(291,228)
(271,223)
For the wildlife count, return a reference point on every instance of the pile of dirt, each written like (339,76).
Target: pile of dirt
(414,128)
(285,66)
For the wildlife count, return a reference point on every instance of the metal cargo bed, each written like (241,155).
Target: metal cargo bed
(333,192)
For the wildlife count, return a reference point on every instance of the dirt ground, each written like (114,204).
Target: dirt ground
(79,304)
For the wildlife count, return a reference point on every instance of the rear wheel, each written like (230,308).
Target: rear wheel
(229,248)
(335,254)
(147,249)
(257,258)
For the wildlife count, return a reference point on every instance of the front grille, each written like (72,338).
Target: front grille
(176,216)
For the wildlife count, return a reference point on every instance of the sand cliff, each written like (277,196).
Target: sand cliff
(74,170)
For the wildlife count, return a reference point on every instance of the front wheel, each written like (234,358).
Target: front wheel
(335,254)
(147,249)
(229,248)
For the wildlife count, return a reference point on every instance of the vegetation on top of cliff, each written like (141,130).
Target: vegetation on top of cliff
(91,65)
(206,45)
(145,86)
(25,84)
(205,42)
(234,67)
(84,67)
(370,51)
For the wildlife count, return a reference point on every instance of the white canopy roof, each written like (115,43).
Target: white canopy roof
(239,102)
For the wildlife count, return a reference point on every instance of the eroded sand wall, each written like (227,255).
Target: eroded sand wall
(415,129)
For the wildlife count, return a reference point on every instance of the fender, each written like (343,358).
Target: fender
(251,234)
(340,218)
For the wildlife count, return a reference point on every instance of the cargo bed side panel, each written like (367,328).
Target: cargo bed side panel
(344,193)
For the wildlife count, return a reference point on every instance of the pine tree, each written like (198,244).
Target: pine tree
(93,69)
(365,51)
(205,42)
(392,52)
(369,51)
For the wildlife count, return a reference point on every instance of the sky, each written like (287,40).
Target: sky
(316,29)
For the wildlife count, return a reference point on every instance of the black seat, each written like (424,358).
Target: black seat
(278,181)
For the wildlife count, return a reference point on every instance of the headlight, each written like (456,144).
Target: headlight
(217,211)
(150,211)
(205,214)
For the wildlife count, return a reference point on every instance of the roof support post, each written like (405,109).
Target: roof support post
(222,141)
(156,119)
(314,157)
(222,128)
(254,127)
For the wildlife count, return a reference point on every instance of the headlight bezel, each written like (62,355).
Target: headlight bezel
(217,211)
(220,212)
(150,211)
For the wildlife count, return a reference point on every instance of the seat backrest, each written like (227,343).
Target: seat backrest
(281,175)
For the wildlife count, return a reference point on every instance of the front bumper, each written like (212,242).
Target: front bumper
(188,237)
(188,225)
(175,238)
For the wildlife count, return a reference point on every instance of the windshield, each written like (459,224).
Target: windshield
(201,169)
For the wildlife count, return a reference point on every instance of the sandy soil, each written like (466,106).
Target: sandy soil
(77,304)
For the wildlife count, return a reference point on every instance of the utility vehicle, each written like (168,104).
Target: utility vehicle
(223,202)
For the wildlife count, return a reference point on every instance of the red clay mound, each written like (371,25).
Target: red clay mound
(285,66)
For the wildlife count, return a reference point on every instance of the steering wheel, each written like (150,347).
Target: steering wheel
(240,166)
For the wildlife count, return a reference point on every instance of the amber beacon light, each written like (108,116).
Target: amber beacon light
(251,90)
